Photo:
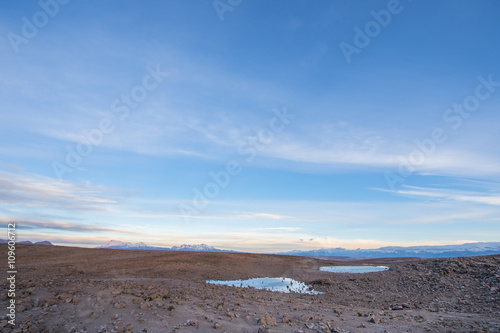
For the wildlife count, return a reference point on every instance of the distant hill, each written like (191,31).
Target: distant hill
(444,251)
(44,243)
(28,242)
(113,244)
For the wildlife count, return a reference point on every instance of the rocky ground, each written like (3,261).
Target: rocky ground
(63,289)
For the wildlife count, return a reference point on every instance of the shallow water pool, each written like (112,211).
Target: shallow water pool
(283,285)
(353,269)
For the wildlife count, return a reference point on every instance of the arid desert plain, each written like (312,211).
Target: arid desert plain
(67,289)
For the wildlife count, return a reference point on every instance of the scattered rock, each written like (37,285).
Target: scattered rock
(119,305)
(192,322)
(268,320)
(264,329)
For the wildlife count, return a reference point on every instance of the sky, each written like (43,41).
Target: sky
(262,126)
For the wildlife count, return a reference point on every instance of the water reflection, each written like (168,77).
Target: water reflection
(353,269)
(283,285)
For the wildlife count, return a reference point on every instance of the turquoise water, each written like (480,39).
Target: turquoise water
(353,269)
(283,285)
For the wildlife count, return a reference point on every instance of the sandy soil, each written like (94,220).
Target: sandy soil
(64,289)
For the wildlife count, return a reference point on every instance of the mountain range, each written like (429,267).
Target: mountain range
(113,244)
(430,251)
(27,242)
(442,251)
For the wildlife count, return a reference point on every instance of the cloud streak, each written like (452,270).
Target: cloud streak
(37,191)
(60,225)
(451,195)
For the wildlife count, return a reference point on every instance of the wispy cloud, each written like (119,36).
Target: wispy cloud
(37,191)
(279,229)
(60,225)
(376,149)
(265,216)
(450,195)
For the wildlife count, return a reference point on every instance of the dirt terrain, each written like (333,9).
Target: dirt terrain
(64,289)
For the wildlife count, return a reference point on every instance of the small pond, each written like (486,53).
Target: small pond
(283,285)
(353,269)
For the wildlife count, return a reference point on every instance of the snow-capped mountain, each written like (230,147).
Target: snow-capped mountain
(443,251)
(195,247)
(118,245)
(114,244)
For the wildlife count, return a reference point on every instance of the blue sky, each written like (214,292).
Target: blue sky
(246,125)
